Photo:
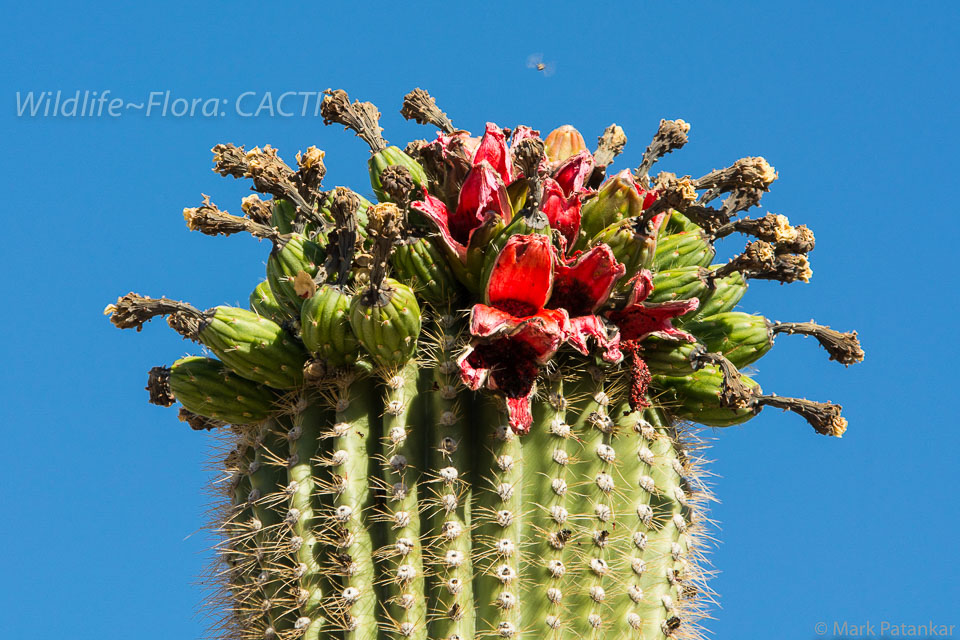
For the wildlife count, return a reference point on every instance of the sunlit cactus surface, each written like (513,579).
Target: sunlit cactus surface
(466,410)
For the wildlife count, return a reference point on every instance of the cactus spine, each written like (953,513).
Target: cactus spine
(452,612)
(548,455)
(354,436)
(497,540)
(406,462)
(402,552)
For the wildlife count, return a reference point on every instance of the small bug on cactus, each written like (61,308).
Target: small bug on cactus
(463,411)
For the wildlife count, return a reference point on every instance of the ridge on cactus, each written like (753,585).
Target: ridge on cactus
(467,410)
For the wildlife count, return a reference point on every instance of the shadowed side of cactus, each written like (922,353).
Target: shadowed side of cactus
(467,410)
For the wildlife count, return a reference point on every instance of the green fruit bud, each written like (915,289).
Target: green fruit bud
(263,302)
(632,247)
(419,263)
(386,321)
(683,250)
(617,198)
(725,294)
(250,345)
(696,397)
(740,337)
(293,255)
(517,193)
(283,214)
(325,327)
(206,387)
(669,357)
(470,274)
(679,284)
(678,223)
(361,213)
(389,157)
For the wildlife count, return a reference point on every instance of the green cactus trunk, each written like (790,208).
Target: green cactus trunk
(374,490)
(572,530)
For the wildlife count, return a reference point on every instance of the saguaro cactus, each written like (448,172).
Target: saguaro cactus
(466,410)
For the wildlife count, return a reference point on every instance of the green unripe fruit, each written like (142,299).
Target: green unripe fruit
(633,248)
(283,214)
(678,223)
(669,357)
(325,327)
(420,264)
(386,321)
(326,214)
(679,284)
(683,250)
(293,255)
(725,294)
(696,397)
(389,157)
(253,347)
(616,199)
(740,337)
(470,274)
(517,193)
(207,388)
(263,302)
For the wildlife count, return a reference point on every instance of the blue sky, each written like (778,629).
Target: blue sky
(854,103)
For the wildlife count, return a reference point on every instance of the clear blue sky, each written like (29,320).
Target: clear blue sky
(854,103)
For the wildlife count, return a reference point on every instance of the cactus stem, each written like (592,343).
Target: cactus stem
(158,384)
(500,515)
(609,145)
(452,609)
(232,577)
(343,240)
(527,158)
(263,498)
(133,310)
(420,106)
(302,516)
(361,117)
(209,220)
(772,228)
(268,172)
(402,571)
(593,519)
(745,174)
(354,443)
(759,260)
(842,347)
(198,422)
(668,551)
(734,394)
(547,461)
(824,417)
(670,136)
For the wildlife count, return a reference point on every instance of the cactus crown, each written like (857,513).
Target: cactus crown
(465,411)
